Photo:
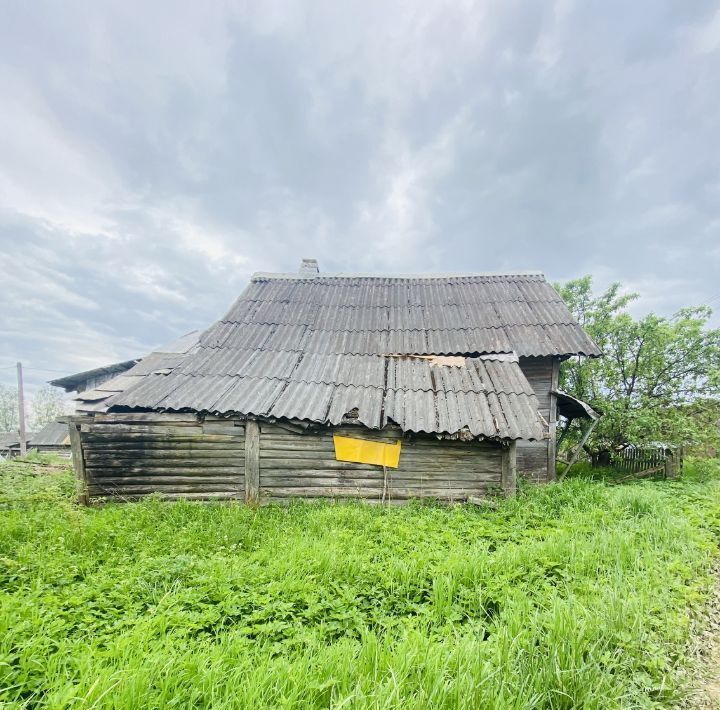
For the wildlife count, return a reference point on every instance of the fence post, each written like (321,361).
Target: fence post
(252,461)
(509,470)
(669,466)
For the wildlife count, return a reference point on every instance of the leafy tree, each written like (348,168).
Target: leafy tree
(655,375)
(8,408)
(48,403)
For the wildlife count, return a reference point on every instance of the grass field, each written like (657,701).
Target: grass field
(578,595)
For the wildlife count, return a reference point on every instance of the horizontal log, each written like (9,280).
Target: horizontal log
(162,462)
(222,428)
(230,482)
(304,479)
(162,445)
(160,455)
(96,489)
(123,436)
(429,467)
(198,471)
(145,417)
(326,444)
(334,492)
(124,496)
(166,429)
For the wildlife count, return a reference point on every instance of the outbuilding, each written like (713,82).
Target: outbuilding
(351,386)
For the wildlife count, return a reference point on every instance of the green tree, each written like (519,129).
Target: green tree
(47,404)
(655,374)
(8,408)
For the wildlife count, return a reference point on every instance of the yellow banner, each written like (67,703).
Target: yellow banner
(362,451)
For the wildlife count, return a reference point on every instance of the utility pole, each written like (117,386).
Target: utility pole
(21,410)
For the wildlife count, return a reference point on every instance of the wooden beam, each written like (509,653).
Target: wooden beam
(552,419)
(252,461)
(79,464)
(21,410)
(509,470)
(577,451)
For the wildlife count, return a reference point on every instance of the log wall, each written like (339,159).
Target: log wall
(127,456)
(536,459)
(134,455)
(293,465)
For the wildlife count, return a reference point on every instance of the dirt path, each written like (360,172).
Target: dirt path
(706,695)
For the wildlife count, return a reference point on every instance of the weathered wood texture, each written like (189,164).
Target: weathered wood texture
(129,456)
(509,470)
(536,459)
(81,482)
(252,461)
(132,457)
(305,467)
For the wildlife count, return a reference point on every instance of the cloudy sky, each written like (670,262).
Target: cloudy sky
(154,155)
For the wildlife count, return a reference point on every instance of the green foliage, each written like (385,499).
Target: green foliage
(8,408)
(47,404)
(660,377)
(572,595)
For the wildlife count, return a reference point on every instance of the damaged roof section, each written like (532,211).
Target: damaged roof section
(435,354)
(486,397)
(158,362)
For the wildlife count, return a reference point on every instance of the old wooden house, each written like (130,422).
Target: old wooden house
(330,385)
(52,438)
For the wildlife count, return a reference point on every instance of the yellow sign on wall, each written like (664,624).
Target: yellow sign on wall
(362,451)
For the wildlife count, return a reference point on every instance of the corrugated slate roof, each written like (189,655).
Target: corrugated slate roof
(52,434)
(487,397)
(317,346)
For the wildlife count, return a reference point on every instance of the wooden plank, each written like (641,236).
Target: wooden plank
(466,467)
(394,492)
(167,495)
(160,481)
(140,461)
(396,475)
(252,461)
(123,429)
(78,464)
(192,488)
(302,484)
(163,446)
(120,437)
(552,420)
(509,470)
(223,428)
(129,457)
(142,417)
(104,472)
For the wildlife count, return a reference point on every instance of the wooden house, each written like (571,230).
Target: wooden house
(52,438)
(312,384)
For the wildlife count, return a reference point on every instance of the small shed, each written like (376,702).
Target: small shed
(329,385)
(52,438)
(88,379)
(10,443)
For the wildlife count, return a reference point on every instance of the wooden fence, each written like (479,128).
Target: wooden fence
(645,461)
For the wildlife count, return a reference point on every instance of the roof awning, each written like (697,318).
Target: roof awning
(572,408)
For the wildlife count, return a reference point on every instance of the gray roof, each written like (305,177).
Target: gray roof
(11,439)
(573,408)
(52,434)
(160,361)
(317,346)
(71,382)
(487,396)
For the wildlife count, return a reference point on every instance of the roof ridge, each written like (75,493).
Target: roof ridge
(269,275)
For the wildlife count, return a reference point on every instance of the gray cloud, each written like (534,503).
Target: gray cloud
(154,156)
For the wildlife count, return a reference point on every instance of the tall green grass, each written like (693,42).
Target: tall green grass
(577,595)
